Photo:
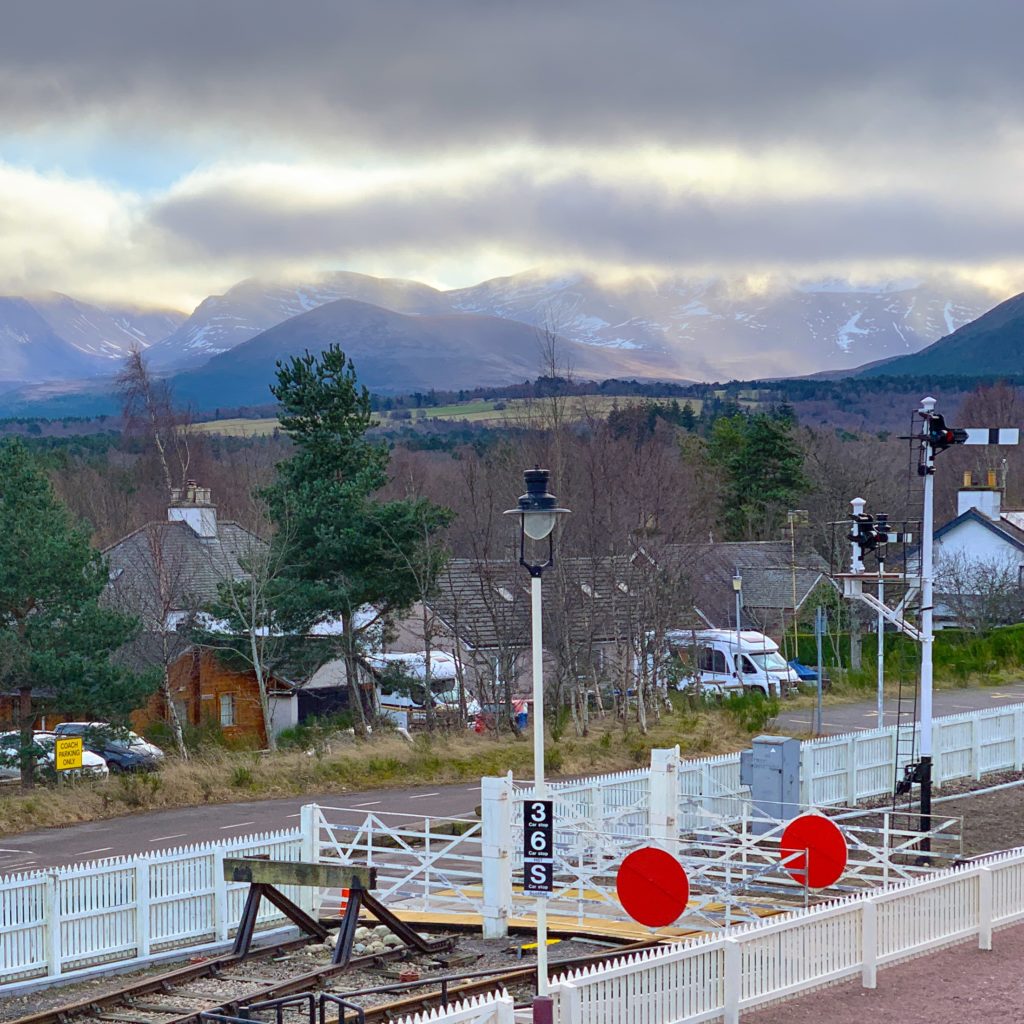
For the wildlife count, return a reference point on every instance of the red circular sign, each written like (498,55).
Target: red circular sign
(820,847)
(652,887)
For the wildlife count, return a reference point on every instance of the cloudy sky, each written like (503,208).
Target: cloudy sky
(159,151)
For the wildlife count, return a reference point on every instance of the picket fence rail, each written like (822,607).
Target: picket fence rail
(126,909)
(717,977)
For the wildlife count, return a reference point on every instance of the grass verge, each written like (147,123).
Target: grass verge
(345,764)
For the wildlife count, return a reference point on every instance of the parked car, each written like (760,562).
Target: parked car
(809,676)
(93,765)
(122,749)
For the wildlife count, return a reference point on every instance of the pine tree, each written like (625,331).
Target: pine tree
(344,550)
(764,475)
(56,638)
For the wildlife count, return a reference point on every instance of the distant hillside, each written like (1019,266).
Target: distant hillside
(55,337)
(992,344)
(393,353)
(253,306)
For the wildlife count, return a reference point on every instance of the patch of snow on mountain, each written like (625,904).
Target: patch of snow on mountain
(844,336)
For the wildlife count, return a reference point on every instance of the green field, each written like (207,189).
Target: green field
(513,411)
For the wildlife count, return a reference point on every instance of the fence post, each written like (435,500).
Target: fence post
(142,906)
(51,912)
(496,854)
(567,1006)
(976,746)
(733,981)
(309,851)
(221,925)
(505,1010)
(664,806)
(985,911)
(869,943)
(1018,735)
(851,772)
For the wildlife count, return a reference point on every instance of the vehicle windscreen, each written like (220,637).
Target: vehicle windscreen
(769,661)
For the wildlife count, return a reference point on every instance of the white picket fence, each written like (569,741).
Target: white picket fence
(716,978)
(493,1009)
(127,908)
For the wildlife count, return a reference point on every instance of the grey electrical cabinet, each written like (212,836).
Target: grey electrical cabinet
(772,771)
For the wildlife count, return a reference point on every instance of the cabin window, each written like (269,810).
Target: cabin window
(712,660)
(227,709)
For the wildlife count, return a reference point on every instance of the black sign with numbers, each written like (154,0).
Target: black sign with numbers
(538,846)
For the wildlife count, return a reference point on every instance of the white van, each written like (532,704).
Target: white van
(719,661)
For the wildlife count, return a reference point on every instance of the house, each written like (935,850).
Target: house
(979,558)
(778,579)
(481,616)
(163,573)
(600,613)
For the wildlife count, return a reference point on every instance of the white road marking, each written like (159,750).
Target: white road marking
(241,824)
(102,849)
(293,815)
(3,850)
(423,796)
(369,803)
(161,839)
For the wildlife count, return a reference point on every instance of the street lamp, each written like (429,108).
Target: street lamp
(538,512)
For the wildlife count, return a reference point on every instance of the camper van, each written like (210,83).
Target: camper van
(722,661)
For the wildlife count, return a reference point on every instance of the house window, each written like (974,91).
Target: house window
(227,709)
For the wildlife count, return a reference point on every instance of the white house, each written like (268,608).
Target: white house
(979,555)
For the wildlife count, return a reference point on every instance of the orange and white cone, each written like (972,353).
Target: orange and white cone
(343,906)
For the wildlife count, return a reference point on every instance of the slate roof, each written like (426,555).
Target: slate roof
(166,566)
(1005,527)
(767,571)
(487,603)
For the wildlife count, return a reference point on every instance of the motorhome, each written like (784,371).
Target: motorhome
(723,661)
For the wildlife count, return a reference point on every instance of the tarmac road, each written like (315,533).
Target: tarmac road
(187,826)
(862,716)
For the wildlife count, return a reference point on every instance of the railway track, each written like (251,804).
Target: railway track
(225,985)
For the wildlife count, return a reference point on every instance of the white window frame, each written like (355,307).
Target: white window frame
(227,704)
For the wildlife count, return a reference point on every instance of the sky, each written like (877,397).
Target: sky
(155,152)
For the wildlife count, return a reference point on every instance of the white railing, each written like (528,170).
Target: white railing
(495,1009)
(718,977)
(422,862)
(128,908)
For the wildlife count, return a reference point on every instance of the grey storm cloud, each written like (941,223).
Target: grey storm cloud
(417,74)
(578,215)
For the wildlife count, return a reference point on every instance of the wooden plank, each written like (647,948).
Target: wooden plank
(291,872)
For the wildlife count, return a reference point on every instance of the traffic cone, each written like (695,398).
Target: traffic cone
(343,906)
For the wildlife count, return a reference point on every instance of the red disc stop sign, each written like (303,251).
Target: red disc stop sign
(818,850)
(652,887)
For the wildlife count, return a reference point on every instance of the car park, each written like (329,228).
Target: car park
(93,765)
(122,749)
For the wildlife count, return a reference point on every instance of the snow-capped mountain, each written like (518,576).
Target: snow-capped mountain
(55,337)
(221,322)
(714,329)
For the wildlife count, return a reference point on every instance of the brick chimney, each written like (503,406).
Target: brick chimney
(191,504)
(985,497)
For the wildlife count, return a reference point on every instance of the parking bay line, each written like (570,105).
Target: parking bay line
(102,849)
(423,796)
(369,803)
(241,824)
(161,839)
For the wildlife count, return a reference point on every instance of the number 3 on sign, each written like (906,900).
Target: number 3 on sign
(538,811)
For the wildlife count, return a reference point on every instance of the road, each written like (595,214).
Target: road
(862,715)
(188,826)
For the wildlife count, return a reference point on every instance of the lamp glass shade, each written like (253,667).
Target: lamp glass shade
(538,524)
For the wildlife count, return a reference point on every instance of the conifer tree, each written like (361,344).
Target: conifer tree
(56,638)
